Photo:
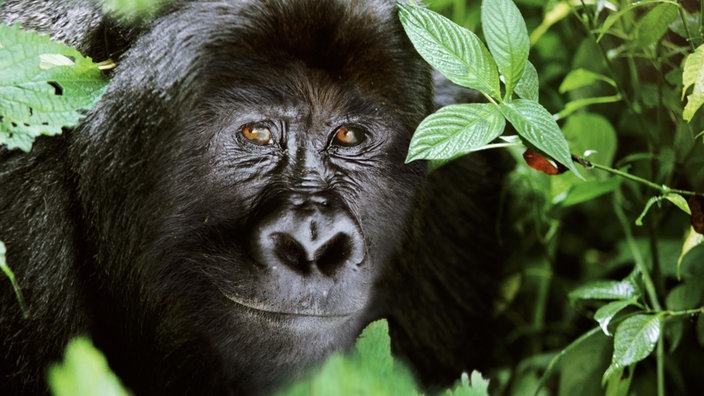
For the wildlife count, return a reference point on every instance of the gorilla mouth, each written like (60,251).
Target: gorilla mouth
(272,311)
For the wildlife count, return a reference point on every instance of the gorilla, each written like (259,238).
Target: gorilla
(237,207)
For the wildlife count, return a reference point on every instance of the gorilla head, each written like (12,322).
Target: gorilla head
(240,187)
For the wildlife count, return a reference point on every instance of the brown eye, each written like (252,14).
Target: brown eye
(258,134)
(349,136)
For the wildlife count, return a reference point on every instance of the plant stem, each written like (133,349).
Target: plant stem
(637,256)
(660,187)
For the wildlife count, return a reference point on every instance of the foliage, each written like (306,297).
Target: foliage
(43,85)
(11,277)
(371,369)
(84,372)
(368,369)
(624,81)
(134,10)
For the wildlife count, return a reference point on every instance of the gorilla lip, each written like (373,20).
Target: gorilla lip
(263,309)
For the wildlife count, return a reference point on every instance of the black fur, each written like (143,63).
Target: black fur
(149,226)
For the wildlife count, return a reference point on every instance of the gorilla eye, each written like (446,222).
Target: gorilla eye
(258,134)
(349,136)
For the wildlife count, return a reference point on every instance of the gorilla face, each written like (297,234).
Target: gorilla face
(246,184)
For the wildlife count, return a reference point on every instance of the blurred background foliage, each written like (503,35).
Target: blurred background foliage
(570,233)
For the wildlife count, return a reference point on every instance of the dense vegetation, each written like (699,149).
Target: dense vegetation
(598,103)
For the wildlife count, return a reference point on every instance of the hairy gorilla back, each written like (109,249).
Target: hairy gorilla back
(236,206)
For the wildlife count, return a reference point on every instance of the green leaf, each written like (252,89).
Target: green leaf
(476,386)
(84,372)
(369,368)
(453,50)
(655,23)
(455,130)
(580,78)
(693,75)
(529,86)
(607,290)
(536,125)
(507,37)
(685,296)
(43,84)
(606,313)
(693,240)
(634,340)
(676,199)
(11,277)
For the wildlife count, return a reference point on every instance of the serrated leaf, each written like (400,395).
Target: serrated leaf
(84,371)
(693,75)
(529,85)
(655,23)
(476,386)
(606,313)
(607,290)
(453,50)
(507,37)
(634,340)
(536,125)
(43,84)
(580,78)
(455,130)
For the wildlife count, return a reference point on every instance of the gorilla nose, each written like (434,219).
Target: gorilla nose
(309,238)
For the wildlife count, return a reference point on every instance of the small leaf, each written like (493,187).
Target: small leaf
(635,339)
(606,313)
(453,50)
(655,23)
(529,86)
(84,371)
(693,75)
(11,277)
(536,125)
(507,37)
(580,78)
(607,290)
(693,240)
(455,130)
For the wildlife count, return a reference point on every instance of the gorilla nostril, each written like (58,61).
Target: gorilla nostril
(334,254)
(287,249)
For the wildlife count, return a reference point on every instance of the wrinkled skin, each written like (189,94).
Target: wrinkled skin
(232,210)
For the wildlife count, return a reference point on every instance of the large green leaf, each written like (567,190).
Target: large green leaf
(693,75)
(455,130)
(537,126)
(634,340)
(43,84)
(507,37)
(454,51)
